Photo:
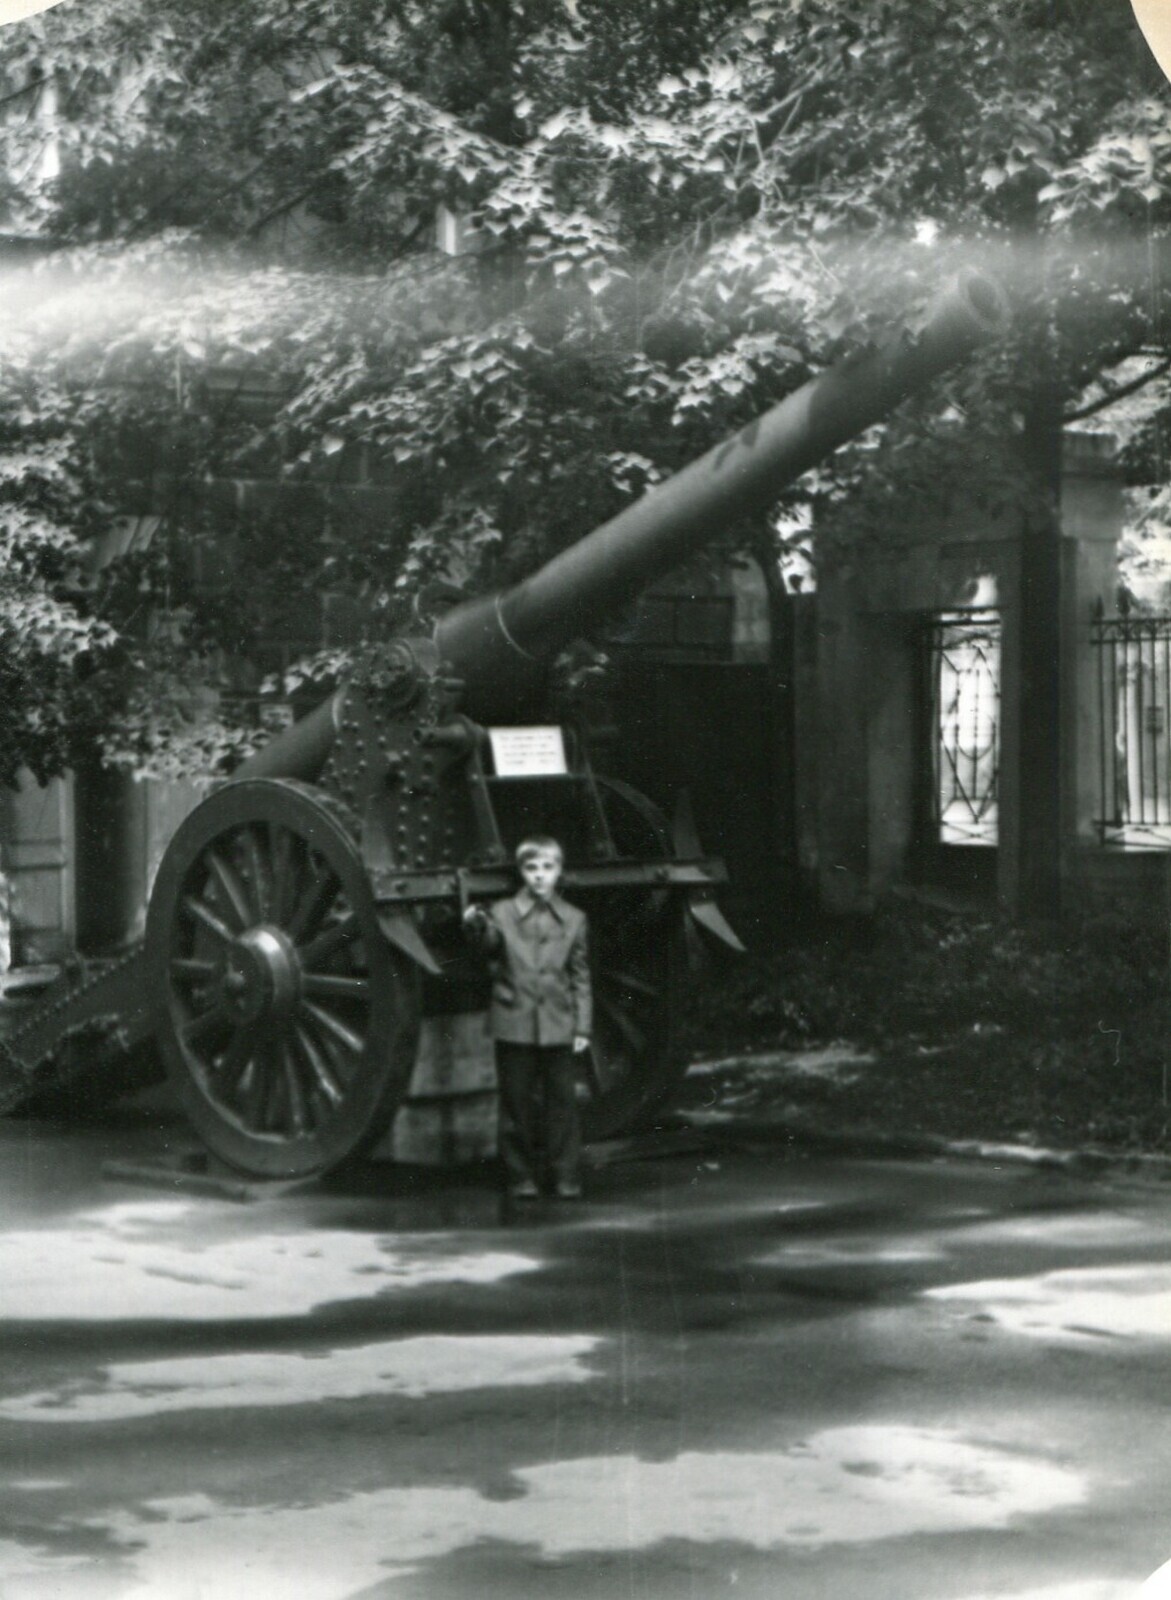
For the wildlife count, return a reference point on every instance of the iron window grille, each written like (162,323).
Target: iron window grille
(1133,657)
(963,678)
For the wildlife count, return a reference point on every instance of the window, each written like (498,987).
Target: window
(1134,758)
(963,681)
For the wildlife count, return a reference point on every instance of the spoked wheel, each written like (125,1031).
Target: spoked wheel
(638,960)
(285,1019)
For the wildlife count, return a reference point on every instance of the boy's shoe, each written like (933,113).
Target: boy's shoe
(567,1191)
(525,1189)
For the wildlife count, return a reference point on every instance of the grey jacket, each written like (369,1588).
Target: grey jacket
(541,992)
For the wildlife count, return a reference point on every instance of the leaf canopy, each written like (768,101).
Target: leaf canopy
(678,209)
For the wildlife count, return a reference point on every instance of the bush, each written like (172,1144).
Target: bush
(977,1028)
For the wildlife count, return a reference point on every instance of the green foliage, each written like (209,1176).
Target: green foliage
(681,209)
(52,642)
(975,1028)
(913,971)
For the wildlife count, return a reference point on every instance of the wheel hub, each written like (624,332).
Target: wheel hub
(261,976)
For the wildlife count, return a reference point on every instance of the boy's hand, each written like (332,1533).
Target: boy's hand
(580,1043)
(475,914)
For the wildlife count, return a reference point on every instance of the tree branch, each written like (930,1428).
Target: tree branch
(32,87)
(135,230)
(287,204)
(1093,407)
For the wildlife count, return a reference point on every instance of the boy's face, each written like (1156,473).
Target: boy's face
(541,872)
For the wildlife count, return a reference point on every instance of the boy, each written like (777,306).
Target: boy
(541,1014)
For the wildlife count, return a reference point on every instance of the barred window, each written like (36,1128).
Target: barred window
(1134,693)
(963,677)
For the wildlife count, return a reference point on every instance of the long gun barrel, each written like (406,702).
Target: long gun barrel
(500,645)
(489,642)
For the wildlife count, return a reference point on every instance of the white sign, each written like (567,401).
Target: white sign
(528,752)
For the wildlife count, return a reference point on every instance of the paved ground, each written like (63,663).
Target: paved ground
(743,1375)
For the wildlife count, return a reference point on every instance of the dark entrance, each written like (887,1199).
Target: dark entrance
(696,707)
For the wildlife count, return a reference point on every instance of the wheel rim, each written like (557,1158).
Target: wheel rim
(637,952)
(285,1019)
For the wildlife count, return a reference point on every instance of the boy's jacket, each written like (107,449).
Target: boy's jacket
(540,970)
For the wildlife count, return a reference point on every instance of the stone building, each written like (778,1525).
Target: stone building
(960,740)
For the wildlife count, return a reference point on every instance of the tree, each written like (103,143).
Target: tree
(682,209)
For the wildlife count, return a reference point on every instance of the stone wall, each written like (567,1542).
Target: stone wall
(872,606)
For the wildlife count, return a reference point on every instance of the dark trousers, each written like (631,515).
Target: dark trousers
(540,1130)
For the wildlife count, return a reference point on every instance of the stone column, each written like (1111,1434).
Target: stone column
(1093,513)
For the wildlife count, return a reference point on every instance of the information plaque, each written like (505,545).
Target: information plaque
(535,752)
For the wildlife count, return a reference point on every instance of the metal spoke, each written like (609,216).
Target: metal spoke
(255,1085)
(629,1030)
(231,1065)
(293,1090)
(258,875)
(197,1028)
(335,1027)
(207,916)
(337,986)
(319,1067)
(233,890)
(630,980)
(315,901)
(192,967)
(277,1110)
(282,844)
(329,940)
(596,1071)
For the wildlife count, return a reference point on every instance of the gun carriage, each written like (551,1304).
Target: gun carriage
(305,917)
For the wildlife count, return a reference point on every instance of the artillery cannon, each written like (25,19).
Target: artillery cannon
(304,922)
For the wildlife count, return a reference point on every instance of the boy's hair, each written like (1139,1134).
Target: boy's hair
(538,845)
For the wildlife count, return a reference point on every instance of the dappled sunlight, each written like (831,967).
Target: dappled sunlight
(1083,1304)
(29,1574)
(842,1486)
(847,1253)
(965,1230)
(406,1368)
(838,1063)
(142,1262)
(749,1210)
(1073,1230)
